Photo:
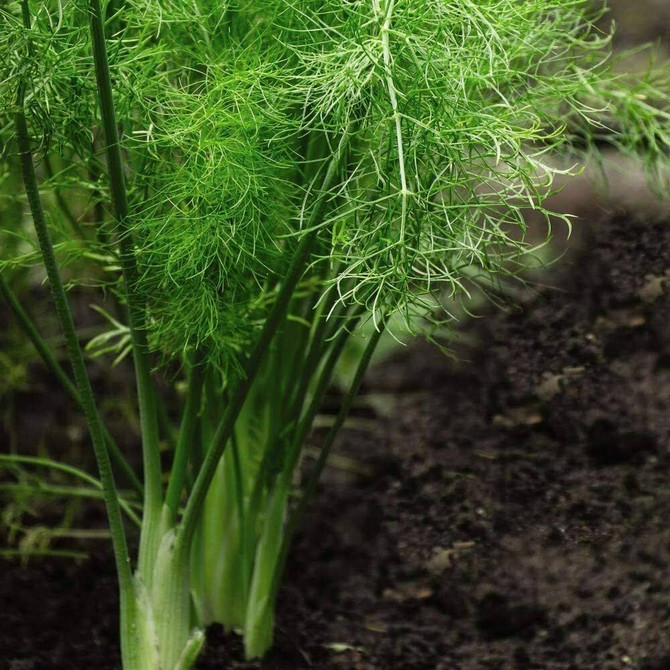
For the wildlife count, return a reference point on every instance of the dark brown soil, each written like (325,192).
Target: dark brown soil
(509,512)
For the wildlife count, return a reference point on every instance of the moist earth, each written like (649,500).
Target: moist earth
(503,509)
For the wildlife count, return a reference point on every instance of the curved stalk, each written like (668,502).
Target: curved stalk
(304,419)
(307,419)
(50,361)
(67,492)
(70,470)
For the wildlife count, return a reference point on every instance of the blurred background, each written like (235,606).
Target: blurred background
(642,21)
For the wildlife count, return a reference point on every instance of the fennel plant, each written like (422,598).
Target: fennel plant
(262,182)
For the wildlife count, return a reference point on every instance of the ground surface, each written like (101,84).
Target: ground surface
(509,511)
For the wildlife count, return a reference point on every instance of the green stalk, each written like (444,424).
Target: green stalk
(153,493)
(45,353)
(304,423)
(67,212)
(70,470)
(244,562)
(325,377)
(310,489)
(273,549)
(226,426)
(259,622)
(72,343)
(66,492)
(260,609)
(185,440)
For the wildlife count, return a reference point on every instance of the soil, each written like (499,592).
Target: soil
(505,510)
